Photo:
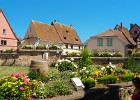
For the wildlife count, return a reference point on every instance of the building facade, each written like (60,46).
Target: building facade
(8,39)
(117,39)
(55,34)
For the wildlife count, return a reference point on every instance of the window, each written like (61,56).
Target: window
(79,47)
(66,46)
(3,42)
(109,42)
(76,39)
(71,46)
(67,31)
(4,31)
(64,37)
(100,42)
(135,32)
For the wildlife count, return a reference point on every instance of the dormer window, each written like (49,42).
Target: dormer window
(135,32)
(64,37)
(67,31)
(4,31)
(76,39)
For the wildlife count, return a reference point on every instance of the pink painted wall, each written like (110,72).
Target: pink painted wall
(9,36)
(116,45)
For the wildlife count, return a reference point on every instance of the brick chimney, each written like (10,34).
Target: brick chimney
(131,25)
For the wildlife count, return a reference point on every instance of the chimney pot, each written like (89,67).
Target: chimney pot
(131,25)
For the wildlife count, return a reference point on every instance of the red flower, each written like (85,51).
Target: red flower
(26,82)
(21,88)
(15,75)
(22,74)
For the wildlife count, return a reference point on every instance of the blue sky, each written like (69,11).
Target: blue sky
(88,17)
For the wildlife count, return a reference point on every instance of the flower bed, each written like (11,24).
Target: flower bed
(58,83)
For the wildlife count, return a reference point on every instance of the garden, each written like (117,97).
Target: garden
(27,82)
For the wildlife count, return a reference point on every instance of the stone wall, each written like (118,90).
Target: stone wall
(24,59)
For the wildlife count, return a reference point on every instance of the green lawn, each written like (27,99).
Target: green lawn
(8,70)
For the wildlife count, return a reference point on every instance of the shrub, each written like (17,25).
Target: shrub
(36,75)
(54,47)
(109,69)
(40,93)
(109,79)
(65,65)
(130,63)
(61,87)
(106,53)
(95,53)
(126,77)
(73,54)
(88,82)
(8,51)
(27,47)
(35,85)
(117,54)
(136,54)
(41,47)
(33,74)
(54,88)
(85,60)
(65,75)
(85,72)
(16,86)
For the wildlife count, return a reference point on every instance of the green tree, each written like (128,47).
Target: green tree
(130,63)
(85,60)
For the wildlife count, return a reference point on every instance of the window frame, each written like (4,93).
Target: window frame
(3,42)
(4,31)
(100,42)
(109,42)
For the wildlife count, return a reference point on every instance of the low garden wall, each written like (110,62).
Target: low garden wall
(120,91)
(24,59)
(106,60)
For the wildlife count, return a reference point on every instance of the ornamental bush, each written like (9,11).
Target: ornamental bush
(136,54)
(85,60)
(16,87)
(41,47)
(106,53)
(88,82)
(27,47)
(109,79)
(126,77)
(53,88)
(9,51)
(54,47)
(65,65)
(109,69)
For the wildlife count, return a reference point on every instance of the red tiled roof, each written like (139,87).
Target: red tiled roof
(56,33)
(46,32)
(30,41)
(127,35)
(111,32)
(67,34)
